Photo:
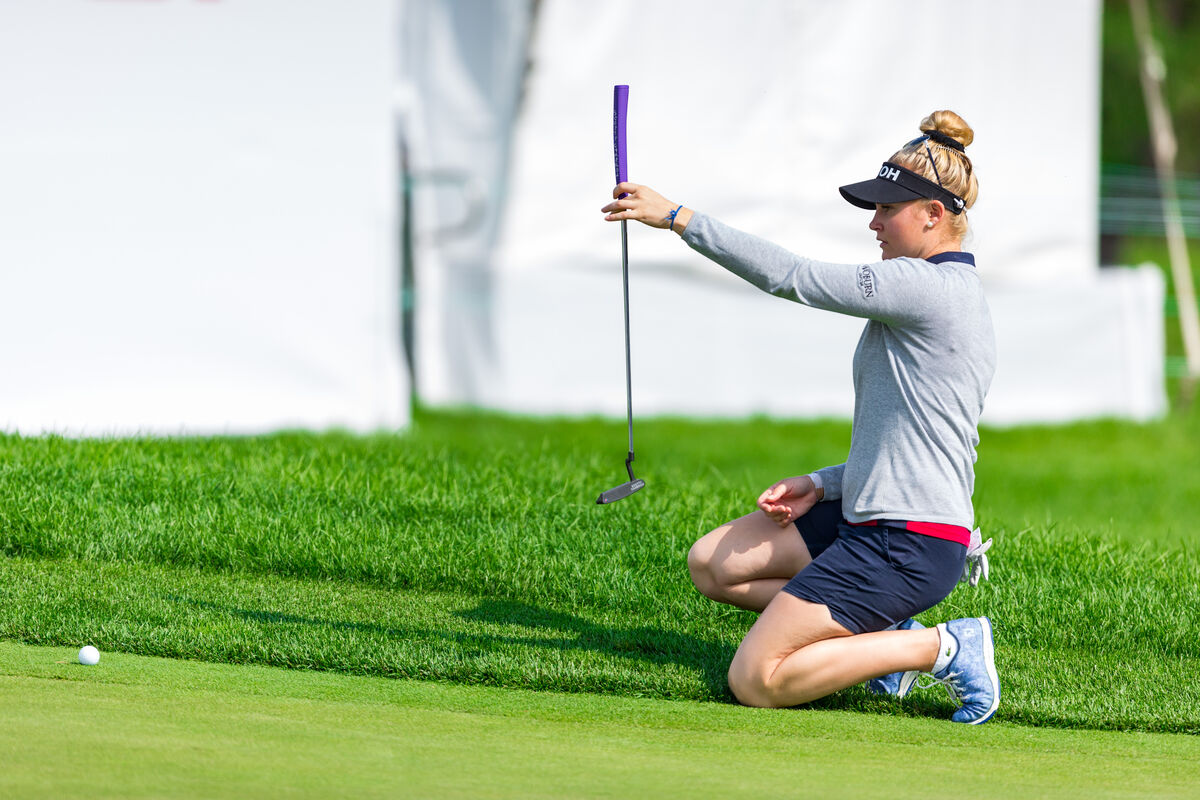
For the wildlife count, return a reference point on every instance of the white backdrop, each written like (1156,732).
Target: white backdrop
(461,69)
(198,205)
(755,113)
(197,216)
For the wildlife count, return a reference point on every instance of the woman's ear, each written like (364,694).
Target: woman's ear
(935,211)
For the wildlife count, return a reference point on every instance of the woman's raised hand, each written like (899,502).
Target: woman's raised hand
(788,500)
(643,204)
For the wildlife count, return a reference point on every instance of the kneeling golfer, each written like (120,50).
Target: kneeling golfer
(839,561)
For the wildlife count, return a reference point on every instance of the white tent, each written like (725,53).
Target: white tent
(755,113)
(197,217)
(199,223)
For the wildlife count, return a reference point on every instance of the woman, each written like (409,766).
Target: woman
(839,561)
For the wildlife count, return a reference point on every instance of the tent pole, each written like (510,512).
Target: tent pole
(1153,71)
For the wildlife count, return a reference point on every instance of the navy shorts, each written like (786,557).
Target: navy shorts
(872,577)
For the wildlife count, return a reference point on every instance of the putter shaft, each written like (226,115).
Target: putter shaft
(628,368)
(634,484)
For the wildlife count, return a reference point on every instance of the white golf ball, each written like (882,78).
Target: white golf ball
(89,655)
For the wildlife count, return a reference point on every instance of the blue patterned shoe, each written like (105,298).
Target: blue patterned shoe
(898,683)
(971,675)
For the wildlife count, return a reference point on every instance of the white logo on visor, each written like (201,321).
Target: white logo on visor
(891,173)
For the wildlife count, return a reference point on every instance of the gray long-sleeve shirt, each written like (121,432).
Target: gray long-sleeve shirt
(921,371)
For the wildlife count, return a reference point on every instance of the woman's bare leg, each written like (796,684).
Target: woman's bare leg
(796,652)
(747,561)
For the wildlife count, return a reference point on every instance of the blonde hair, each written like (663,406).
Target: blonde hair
(953,168)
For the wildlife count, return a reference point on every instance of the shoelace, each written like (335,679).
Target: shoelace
(948,683)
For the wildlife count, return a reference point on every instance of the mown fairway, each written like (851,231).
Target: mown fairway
(471,551)
(146,727)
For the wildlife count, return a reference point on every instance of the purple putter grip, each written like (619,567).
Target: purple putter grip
(620,108)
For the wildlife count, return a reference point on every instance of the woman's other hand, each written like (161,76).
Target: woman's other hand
(789,499)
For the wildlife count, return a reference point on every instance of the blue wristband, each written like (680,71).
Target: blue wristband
(671,218)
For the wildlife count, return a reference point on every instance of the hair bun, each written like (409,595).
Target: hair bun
(949,124)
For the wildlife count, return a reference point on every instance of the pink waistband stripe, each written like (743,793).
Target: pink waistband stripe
(953,533)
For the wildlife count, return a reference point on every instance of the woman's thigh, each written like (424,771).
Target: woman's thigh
(749,548)
(787,625)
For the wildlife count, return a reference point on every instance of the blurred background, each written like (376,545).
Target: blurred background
(234,216)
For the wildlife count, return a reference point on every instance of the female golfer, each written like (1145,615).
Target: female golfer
(859,548)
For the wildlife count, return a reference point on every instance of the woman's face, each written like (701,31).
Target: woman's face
(900,229)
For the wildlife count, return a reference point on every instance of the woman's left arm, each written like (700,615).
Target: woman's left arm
(789,499)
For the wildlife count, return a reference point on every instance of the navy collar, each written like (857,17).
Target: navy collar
(961,258)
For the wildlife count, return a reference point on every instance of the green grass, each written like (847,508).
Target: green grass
(1104,480)
(471,550)
(145,727)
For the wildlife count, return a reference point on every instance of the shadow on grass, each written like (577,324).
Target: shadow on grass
(281,618)
(710,659)
(538,630)
(660,646)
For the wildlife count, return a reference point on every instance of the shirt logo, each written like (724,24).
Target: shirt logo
(866,281)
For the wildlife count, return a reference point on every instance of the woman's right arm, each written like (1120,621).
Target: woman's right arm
(638,203)
(895,295)
(886,291)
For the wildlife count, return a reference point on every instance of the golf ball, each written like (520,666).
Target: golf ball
(89,655)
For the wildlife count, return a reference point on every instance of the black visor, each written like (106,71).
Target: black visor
(895,184)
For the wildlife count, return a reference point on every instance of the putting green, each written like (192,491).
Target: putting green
(140,727)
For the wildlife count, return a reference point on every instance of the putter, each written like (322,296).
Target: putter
(620,106)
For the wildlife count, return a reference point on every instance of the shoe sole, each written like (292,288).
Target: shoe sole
(989,658)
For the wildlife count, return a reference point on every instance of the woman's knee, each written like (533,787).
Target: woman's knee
(751,684)
(701,568)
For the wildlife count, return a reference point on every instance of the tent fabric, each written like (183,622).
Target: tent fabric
(197,217)
(756,113)
(465,64)
(199,227)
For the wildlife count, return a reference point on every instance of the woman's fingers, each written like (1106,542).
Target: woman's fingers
(767,501)
(785,501)
(624,188)
(625,193)
(616,212)
(618,205)
(638,203)
(777,512)
(619,210)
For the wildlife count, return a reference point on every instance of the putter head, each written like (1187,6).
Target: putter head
(620,492)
